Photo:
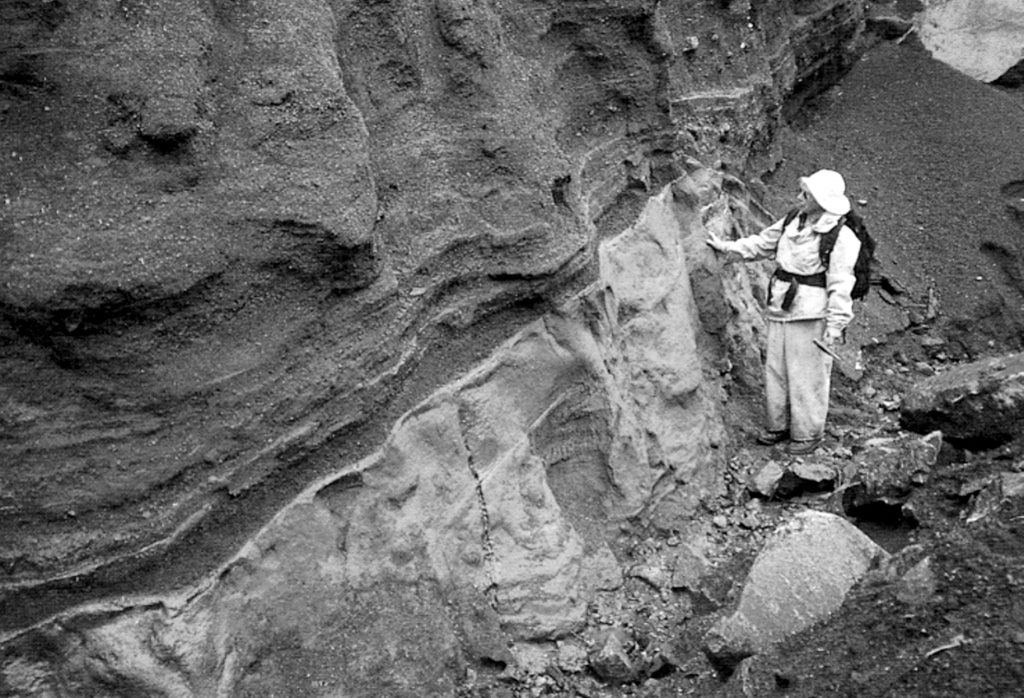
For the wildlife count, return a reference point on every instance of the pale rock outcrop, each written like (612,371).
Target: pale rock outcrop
(484,519)
(982,38)
(800,577)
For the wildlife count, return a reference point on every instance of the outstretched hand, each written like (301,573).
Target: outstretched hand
(715,242)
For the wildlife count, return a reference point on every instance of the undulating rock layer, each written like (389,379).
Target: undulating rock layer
(319,326)
(488,515)
(241,240)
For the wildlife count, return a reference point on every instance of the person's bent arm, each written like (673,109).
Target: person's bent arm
(839,280)
(751,247)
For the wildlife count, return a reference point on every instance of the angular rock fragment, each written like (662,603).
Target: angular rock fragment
(610,657)
(918,585)
(806,477)
(689,568)
(1001,490)
(766,480)
(889,469)
(774,480)
(977,405)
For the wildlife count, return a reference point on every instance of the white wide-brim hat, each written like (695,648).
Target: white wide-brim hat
(829,189)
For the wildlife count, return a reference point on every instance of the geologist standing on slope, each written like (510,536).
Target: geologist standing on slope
(807,301)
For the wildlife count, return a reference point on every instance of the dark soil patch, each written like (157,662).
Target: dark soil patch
(932,157)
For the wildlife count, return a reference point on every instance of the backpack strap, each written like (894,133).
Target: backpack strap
(790,215)
(827,242)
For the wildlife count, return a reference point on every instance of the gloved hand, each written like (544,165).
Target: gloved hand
(832,336)
(716,242)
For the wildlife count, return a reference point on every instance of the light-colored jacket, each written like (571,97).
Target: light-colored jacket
(796,250)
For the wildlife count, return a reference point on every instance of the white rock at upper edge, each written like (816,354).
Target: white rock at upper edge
(982,38)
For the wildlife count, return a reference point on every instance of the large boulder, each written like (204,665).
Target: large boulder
(980,404)
(800,577)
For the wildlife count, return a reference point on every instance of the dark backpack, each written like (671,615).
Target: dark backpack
(864,267)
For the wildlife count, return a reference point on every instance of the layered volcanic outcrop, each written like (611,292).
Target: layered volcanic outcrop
(238,241)
(342,342)
(488,516)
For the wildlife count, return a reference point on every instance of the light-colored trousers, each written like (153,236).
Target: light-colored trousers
(797,379)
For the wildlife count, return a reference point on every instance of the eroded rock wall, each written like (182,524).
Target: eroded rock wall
(239,241)
(489,517)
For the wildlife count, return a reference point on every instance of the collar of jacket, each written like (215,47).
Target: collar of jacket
(826,222)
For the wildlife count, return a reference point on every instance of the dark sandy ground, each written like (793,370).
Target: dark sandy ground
(936,159)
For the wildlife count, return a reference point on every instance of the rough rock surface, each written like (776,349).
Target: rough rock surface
(888,469)
(800,577)
(491,499)
(314,320)
(240,241)
(979,403)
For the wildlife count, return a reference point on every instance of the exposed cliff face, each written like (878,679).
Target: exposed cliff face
(327,326)
(488,517)
(238,241)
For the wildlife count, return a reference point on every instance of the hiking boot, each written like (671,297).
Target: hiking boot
(770,438)
(802,448)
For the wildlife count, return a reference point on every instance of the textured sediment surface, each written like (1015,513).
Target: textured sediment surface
(238,241)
